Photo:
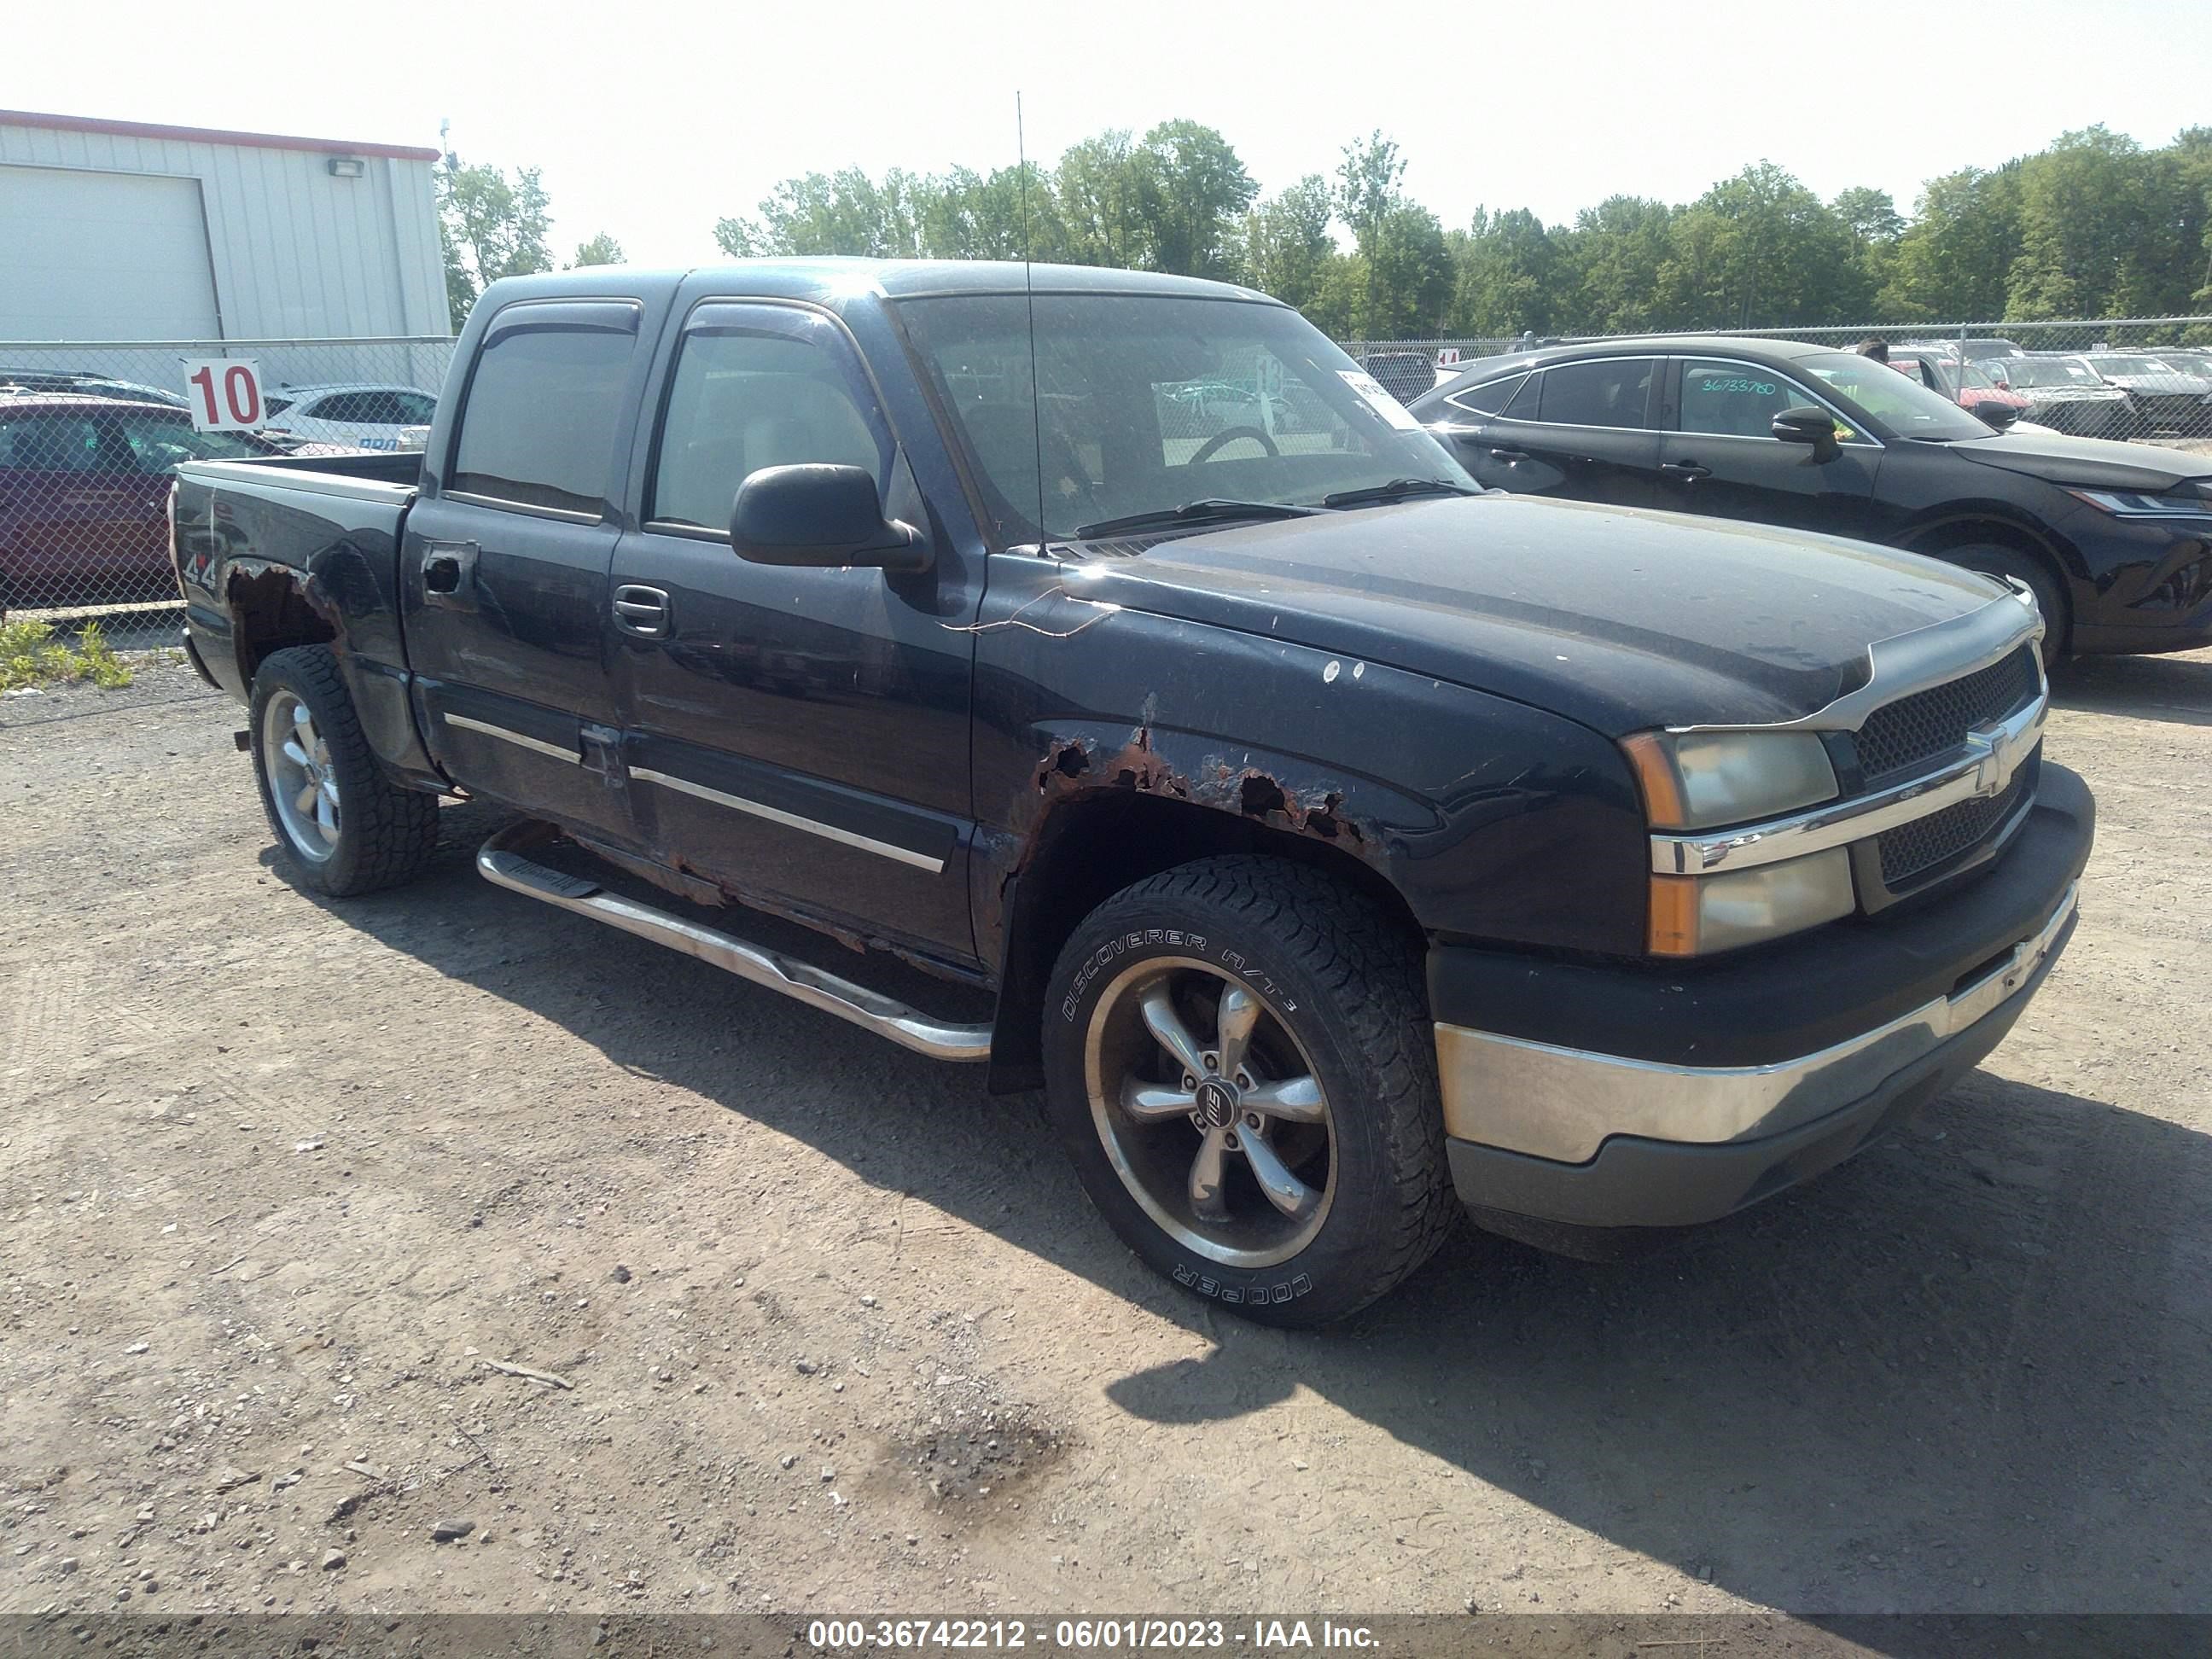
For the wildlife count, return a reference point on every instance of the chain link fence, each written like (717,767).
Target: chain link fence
(91,430)
(2140,378)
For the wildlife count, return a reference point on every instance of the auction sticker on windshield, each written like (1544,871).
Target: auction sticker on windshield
(1381,401)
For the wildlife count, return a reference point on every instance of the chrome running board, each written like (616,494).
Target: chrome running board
(500,862)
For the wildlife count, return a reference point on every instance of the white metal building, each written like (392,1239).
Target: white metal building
(120,230)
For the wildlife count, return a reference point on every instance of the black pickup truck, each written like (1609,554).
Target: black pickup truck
(1331,837)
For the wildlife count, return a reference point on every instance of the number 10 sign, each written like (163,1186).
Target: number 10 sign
(225,393)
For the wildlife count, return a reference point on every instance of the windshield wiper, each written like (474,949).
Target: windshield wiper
(1396,489)
(1210,507)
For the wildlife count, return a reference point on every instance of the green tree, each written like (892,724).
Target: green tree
(490,226)
(1193,193)
(2106,228)
(1369,182)
(1870,214)
(1609,264)
(1952,265)
(2094,224)
(1410,276)
(1288,250)
(1505,276)
(1100,193)
(842,212)
(2192,166)
(1759,250)
(601,250)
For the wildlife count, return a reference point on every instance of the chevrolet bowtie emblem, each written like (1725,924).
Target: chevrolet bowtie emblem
(1989,767)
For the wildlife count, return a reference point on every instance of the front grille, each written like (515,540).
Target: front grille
(1920,728)
(1915,849)
(2173,410)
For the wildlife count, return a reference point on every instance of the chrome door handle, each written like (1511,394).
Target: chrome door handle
(1686,471)
(641,611)
(1508,456)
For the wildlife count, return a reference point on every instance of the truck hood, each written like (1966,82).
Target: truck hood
(1620,619)
(2090,463)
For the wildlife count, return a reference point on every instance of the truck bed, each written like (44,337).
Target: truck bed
(338,475)
(334,522)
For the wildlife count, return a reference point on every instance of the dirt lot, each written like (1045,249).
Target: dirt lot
(279,1178)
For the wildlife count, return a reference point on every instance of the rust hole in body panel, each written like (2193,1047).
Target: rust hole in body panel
(1073,766)
(1065,761)
(1259,794)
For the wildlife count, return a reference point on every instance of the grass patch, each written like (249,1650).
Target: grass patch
(31,654)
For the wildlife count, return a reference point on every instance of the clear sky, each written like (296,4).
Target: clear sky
(651,120)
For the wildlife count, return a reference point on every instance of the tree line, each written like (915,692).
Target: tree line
(491,226)
(2094,225)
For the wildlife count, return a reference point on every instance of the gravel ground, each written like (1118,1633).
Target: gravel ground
(282,1179)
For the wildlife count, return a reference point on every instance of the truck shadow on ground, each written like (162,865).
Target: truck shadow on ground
(1966,1371)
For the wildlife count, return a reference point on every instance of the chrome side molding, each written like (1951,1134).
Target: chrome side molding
(500,862)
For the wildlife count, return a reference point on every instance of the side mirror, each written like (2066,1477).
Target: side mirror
(1806,425)
(1996,414)
(820,515)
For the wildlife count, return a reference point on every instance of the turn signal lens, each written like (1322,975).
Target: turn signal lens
(1697,915)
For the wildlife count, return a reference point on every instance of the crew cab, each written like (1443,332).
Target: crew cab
(1328,837)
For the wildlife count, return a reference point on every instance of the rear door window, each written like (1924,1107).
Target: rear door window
(1607,392)
(544,405)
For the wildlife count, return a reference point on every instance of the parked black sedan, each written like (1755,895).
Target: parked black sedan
(2115,540)
(2067,395)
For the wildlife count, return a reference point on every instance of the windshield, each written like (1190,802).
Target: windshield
(2032,371)
(2130,365)
(1143,404)
(159,443)
(1907,407)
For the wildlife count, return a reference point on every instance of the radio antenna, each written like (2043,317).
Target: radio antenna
(1029,294)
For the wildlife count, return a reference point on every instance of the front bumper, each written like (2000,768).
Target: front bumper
(1719,1088)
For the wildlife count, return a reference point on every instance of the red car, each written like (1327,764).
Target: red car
(84,494)
(1978,387)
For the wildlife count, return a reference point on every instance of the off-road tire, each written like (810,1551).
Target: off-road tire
(1347,986)
(387,834)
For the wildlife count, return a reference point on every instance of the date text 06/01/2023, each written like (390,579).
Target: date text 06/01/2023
(1081,1635)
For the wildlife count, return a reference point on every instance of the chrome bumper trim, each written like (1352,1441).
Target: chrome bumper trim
(1563,1103)
(1994,753)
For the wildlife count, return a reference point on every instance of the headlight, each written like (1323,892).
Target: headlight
(1695,915)
(2126,504)
(1700,779)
